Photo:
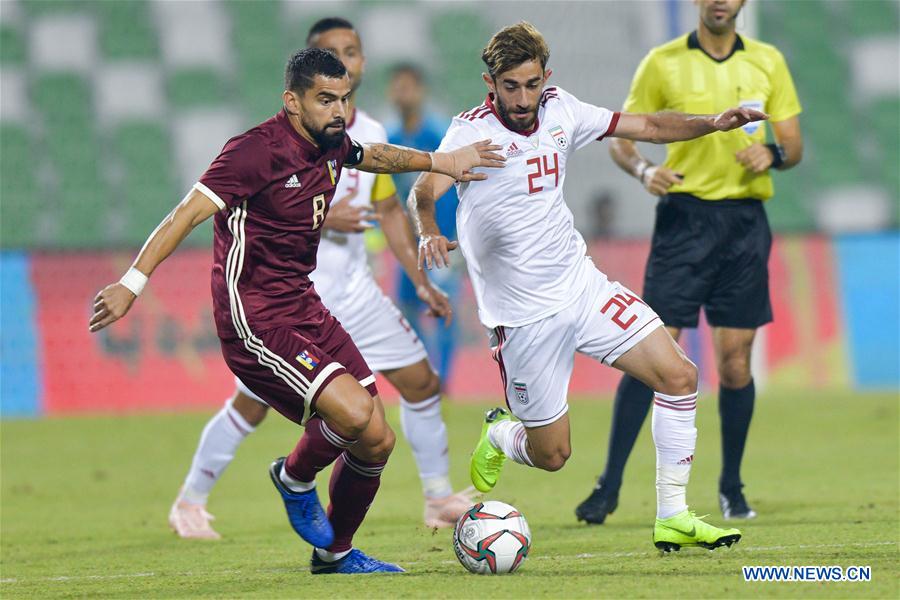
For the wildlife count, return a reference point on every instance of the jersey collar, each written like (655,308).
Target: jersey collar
(693,43)
(490,102)
(306,146)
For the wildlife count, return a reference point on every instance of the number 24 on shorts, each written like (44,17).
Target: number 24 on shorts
(621,302)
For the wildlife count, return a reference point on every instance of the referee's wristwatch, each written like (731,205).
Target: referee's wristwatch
(778,156)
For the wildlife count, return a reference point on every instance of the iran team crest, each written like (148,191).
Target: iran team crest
(559,137)
(521,391)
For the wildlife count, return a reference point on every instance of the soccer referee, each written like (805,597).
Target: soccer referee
(711,239)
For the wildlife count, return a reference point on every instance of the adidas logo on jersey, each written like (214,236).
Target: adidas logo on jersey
(293,182)
(514,150)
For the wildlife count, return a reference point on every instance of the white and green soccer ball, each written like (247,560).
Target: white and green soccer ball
(492,537)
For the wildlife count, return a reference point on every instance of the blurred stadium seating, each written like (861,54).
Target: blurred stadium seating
(109,110)
(103,102)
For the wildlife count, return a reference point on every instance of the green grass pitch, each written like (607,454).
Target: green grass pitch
(84,505)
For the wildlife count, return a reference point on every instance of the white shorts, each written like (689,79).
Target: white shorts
(536,360)
(384,337)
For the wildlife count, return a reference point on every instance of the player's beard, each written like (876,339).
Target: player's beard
(325,140)
(515,125)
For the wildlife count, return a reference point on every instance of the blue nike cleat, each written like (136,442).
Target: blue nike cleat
(304,511)
(355,562)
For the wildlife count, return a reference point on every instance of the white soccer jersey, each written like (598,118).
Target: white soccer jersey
(525,258)
(341,261)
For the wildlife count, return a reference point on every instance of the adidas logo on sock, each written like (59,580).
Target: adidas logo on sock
(293,182)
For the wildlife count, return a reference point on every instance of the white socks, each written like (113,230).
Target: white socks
(331,556)
(426,432)
(218,443)
(675,438)
(511,438)
(295,485)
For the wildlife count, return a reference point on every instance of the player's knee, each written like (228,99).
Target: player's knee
(734,371)
(553,460)
(356,415)
(681,380)
(420,383)
(381,451)
(252,411)
(432,386)
(690,378)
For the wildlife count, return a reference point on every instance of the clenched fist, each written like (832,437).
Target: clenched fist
(658,179)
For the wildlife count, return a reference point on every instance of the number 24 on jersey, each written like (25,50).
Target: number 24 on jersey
(540,167)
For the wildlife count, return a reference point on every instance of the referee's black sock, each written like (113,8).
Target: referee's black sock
(632,404)
(735,411)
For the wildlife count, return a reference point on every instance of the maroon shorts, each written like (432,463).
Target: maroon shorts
(288,367)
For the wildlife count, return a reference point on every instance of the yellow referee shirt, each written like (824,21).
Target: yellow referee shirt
(681,76)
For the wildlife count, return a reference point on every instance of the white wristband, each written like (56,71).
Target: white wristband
(134,280)
(642,170)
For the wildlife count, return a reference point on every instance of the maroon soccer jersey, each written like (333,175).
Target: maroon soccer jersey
(274,188)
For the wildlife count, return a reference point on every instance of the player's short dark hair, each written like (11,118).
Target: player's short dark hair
(303,67)
(514,45)
(411,69)
(327,24)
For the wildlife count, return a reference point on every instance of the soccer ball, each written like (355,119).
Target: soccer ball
(491,537)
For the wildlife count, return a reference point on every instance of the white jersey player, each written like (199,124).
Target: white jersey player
(540,295)
(384,338)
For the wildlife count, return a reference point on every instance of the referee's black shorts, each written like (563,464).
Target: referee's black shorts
(710,254)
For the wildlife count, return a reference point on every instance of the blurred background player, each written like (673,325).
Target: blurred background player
(421,129)
(711,240)
(538,291)
(347,287)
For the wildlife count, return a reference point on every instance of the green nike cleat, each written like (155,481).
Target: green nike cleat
(687,529)
(487,459)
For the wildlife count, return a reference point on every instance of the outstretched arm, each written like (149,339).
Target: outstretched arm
(388,158)
(434,248)
(114,301)
(666,127)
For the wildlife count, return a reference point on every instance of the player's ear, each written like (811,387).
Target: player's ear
(488,81)
(291,102)
(547,74)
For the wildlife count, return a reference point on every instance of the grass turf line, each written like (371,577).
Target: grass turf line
(84,505)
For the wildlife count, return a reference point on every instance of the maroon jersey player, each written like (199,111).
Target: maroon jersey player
(269,190)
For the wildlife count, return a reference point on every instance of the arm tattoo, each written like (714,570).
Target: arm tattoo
(387,158)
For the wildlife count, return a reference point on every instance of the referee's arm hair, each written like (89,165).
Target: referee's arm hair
(667,127)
